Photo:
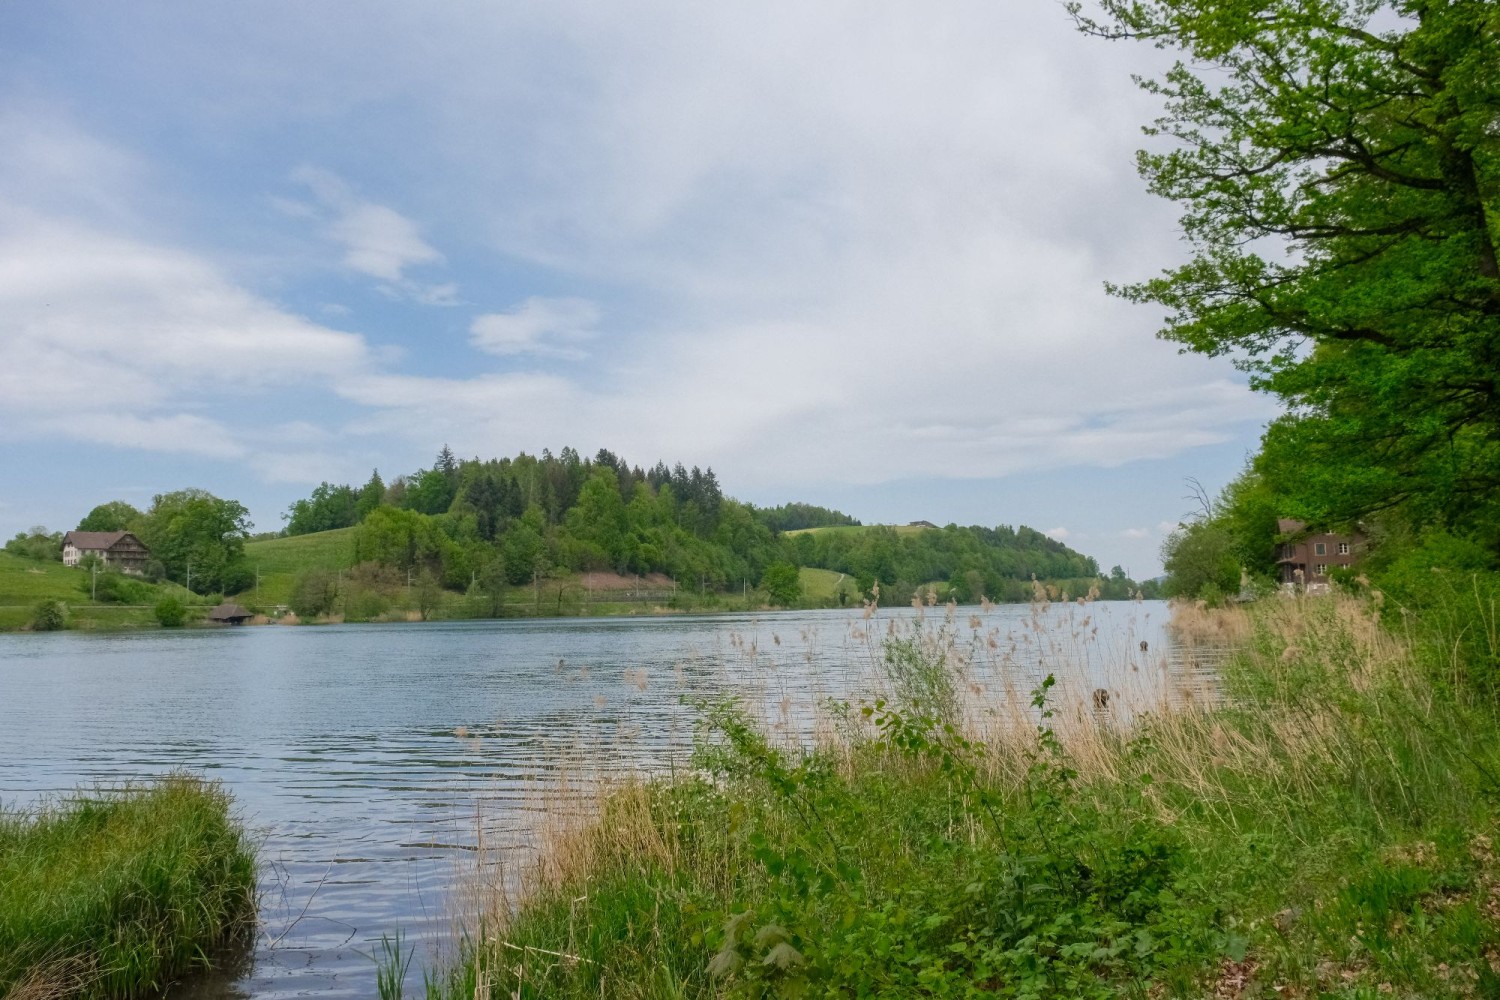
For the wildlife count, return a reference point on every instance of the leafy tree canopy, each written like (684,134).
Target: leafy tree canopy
(1338,164)
(116,515)
(193,528)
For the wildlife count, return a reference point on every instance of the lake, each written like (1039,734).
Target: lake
(367,757)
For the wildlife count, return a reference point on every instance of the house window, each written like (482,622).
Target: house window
(1320,549)
(1320,569)
(1343,548)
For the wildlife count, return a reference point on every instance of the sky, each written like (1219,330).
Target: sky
(845,253)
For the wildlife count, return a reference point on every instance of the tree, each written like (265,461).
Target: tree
(314,593)
(116,515)
(329,507)
(1200,561)
(428,593)
(782,584)
(371,495)
(193,528)
(1338,163)
(430,493)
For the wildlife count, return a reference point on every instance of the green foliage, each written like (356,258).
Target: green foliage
(782,584)
(119,894)
(170,612)
(1330,831)
(116,515)
(315,593)
(329,507)
(1339,173)
(36,544)
(49,616)
(194,528)
(796,516)
(1201,561)
(111,587)
(976,562)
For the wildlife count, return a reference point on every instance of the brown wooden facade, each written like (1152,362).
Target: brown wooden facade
(1306,559)
(119,550)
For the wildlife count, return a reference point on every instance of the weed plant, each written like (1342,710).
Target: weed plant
(1326,828)
(120,893)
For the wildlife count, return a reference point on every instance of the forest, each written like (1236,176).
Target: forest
(512,521)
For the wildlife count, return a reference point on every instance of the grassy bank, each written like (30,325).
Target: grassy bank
(1327,829)
(118,894)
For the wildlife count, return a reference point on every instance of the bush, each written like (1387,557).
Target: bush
(36,544)
(111,587)
(170,612)
(314,593)
(49,616)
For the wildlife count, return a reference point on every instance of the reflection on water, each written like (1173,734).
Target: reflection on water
(362,754)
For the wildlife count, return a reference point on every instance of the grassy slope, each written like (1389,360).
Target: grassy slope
(282,560)
(25,582)
(822,586)
(118,894)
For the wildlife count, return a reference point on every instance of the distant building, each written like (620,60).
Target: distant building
(119,550)
(230,614)
(1306,559)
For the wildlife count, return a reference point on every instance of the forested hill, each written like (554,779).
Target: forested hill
(523,518)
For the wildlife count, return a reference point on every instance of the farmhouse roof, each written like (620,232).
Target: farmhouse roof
(93,539)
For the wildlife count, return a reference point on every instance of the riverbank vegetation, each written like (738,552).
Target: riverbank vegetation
(1325,826)
(121,893)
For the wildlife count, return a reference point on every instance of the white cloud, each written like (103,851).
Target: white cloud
(378,241)
(120,342)
(547,327)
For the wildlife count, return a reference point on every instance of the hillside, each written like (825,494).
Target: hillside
(279,561)
(25,582)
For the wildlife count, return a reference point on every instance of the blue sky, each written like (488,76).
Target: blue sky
(849,253)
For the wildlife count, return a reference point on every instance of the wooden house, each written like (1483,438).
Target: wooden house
(1306,558)
(119,550)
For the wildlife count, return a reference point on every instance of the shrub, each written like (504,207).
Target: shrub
(112,587)
(170,612)
(36,544)
(314,593)
(49,616)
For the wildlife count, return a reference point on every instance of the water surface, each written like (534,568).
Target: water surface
(363,755)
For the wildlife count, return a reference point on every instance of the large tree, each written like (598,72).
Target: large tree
(116,515)
(1338,162)
(193,530)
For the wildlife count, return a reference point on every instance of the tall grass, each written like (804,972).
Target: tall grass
(1324,826)
(119,893)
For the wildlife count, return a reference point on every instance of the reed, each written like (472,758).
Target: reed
(118,893)
(1317,821)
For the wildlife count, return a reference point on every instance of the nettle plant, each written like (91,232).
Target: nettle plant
(935,877)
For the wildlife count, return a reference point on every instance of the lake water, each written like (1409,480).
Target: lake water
(367,757)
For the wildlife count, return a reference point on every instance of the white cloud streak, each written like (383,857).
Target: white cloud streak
(539,326)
